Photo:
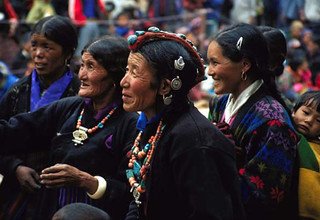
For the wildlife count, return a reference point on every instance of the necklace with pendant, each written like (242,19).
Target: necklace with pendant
(81,134)
(140,161)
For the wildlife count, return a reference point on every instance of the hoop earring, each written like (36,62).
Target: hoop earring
(66,63)
(167,99)
(244,76)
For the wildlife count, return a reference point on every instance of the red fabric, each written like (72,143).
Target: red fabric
(10,10)
(76,11)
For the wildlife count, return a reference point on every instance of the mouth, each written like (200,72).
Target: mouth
(125,97)
(40,65)
(303,128)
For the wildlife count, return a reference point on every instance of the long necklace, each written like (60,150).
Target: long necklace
(81,134)
(139,163)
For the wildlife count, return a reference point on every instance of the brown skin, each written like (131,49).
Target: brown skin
(226,73)
(137,92)
(98,85)
(49,60)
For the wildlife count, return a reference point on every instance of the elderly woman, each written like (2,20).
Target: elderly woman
(88,136)
(181,166)
(253,112)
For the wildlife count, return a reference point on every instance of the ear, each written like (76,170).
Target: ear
(246,65)
(165,87)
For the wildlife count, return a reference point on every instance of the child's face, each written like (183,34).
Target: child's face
(307,121)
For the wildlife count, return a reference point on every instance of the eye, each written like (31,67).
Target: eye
(305,112)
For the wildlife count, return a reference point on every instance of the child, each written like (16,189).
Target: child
(306,116)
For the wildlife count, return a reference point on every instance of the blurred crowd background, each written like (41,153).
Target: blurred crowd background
(199,20)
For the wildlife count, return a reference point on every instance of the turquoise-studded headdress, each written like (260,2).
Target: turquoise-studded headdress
(137,40)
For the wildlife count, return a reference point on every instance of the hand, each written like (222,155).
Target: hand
(61,175)
(28,178)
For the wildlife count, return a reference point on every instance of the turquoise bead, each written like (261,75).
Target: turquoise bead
(154,29)
(132,39)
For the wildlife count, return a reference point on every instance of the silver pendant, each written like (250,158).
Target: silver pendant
(136,196)
(79,135)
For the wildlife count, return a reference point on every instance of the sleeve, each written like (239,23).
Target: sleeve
(267,176)
(28,132)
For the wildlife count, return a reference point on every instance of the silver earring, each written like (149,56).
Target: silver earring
(167,99)
(244,76)
(176,83)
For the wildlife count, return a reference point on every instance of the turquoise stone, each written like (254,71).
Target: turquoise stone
(153,29)
(132,39)
(136,168)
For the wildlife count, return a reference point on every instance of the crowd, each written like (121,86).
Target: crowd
(100,104)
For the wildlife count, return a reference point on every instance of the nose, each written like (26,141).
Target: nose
(124,82)
(308,120)
(209,70)
(39,52)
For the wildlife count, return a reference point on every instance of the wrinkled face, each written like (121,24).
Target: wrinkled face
(137,92)
(47,56)
(307,121)
(95,80)
(225,73)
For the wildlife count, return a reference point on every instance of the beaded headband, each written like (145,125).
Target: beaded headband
(138,39)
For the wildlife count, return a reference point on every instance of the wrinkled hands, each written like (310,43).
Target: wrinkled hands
(60,175)
(28,178)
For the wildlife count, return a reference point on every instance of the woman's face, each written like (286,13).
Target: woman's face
(48,56)
(225,73)
(307,121)
(138,93)
(95,80)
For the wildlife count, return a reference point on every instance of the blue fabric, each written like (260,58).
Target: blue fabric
(10,80)
(89,8)
(143,121)
(53,93)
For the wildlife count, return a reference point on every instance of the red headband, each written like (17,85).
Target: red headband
(137,40)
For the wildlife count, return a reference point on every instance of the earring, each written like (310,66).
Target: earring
(66,62)
(244,76)
(167,99)
(176,83)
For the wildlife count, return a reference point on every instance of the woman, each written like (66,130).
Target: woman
(87,136)
(253,112)
(53,41)
(181,167)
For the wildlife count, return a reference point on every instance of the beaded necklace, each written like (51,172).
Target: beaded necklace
(139,163)
(82,133)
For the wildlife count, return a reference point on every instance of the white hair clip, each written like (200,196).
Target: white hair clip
(239,43)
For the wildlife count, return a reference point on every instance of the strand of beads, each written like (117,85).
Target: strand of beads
(99,125)
(139,163)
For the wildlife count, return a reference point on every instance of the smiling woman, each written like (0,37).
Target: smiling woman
(250,111)
(87,137)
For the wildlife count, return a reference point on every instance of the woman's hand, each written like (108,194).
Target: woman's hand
(28,178)
(61,175)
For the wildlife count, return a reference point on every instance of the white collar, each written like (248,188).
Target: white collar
(233,105)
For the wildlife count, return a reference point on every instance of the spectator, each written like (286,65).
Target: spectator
(53,40)
(87,137)
(306,116)
(250,111)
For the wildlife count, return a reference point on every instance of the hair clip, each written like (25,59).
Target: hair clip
(179,63)
(239,43)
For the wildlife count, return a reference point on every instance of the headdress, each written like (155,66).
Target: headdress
(137,40)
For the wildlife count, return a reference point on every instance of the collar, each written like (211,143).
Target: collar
(143,120)
(233,105)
